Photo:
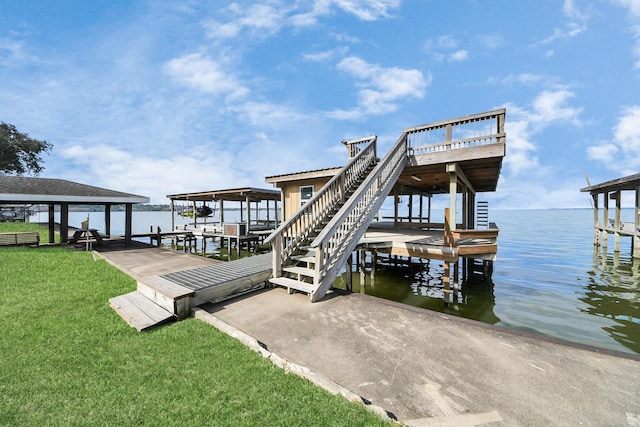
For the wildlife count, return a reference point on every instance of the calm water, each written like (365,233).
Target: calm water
(547,279)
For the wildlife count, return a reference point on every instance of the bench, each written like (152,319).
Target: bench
(24,238)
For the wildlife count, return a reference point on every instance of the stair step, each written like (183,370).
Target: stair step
(301,271)
(139,311)
(171,296)
(293,284)
(304,258)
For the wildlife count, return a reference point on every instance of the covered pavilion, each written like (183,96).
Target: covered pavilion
(244,196)
(18,190)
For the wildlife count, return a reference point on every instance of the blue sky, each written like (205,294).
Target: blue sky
(162,97)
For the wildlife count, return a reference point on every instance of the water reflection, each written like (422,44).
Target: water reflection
(419,283)
(613,292)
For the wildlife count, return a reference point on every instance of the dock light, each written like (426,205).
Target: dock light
(417,178)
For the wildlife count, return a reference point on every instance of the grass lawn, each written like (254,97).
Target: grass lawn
(66,358)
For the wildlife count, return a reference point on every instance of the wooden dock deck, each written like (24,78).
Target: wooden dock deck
(424,243)
(170,296)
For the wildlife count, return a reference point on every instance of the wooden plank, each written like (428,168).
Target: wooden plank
(167,288)
(138,311)
(231,288)
(293,284)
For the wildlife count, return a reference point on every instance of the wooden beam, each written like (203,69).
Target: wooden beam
(455,168)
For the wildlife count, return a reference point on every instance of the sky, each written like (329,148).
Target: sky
(162,97)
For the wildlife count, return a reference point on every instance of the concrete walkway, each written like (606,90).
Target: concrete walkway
(429,369)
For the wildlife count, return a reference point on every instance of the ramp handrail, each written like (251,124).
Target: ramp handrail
(340,237)
(463,132)
(288,237)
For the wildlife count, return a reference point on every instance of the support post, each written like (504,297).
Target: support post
(453,192)
(618,196)
(349,281)
(374,260)
(596,225)
(64,222)
(107,220)
(605,221)
(128,221)
(446,280)
(52,220)
(173,212)
(636,232)
(363,271)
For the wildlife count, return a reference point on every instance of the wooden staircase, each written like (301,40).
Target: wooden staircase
(311,247)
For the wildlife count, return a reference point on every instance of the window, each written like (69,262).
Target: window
(306,193)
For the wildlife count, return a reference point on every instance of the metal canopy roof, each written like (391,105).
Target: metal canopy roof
(630,182)
(20,190)
(235,195)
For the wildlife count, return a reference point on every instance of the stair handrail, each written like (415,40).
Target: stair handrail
(341,235)
(287,238)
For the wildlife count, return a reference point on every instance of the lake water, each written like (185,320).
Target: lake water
(548,279)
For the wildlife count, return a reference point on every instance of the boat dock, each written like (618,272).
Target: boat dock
(602,229)
(170,284)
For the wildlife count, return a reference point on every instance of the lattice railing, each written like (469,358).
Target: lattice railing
(464,132)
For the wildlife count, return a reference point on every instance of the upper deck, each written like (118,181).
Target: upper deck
(476,143)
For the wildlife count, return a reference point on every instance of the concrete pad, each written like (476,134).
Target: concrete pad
(431,369)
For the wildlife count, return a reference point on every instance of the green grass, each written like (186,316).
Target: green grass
(66,358)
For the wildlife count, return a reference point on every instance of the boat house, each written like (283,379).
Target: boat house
(328,214)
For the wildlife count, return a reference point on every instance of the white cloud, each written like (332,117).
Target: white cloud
(13,53)
(266,115)
(548,108)
(491,41)
(325,55)
(622,153)
(633,7)
(368,10)
(445,48)
(577,24)
(459,55)
(268,18)
(382,88)
(205,74)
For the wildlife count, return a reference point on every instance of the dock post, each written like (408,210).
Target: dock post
(446,280)
(363,277)
(349,278)
(617,223)
(596,229)
(605,222)
(636,233)
(456,280)
(374,260)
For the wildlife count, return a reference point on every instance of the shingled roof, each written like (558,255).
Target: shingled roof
(18,189)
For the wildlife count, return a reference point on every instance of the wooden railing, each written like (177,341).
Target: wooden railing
(288,238)
(463,132)
(340,237)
